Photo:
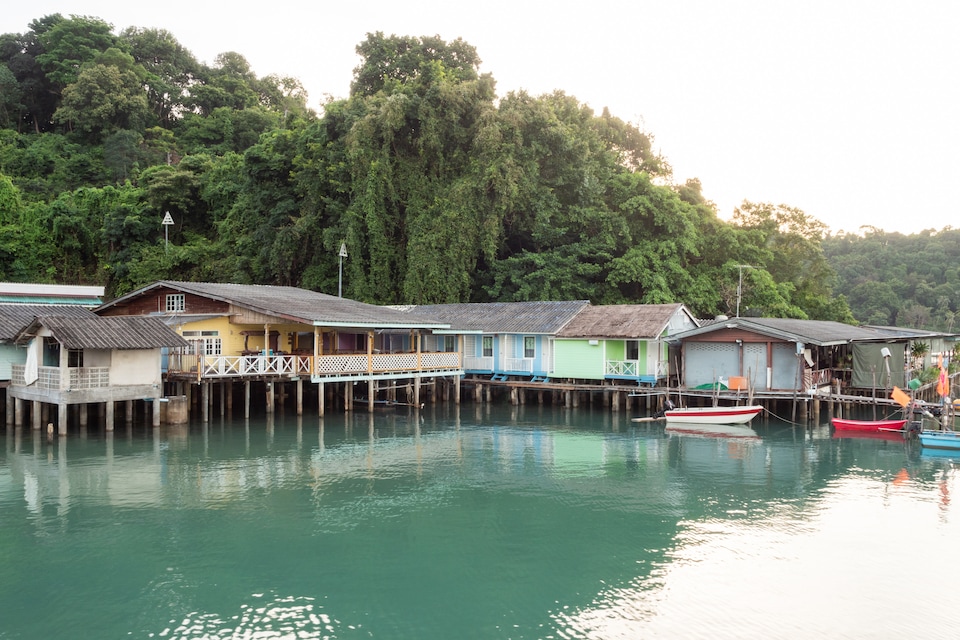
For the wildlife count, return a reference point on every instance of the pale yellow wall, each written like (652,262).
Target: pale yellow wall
(231,340)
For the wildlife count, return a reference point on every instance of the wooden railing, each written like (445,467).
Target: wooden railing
(621,368)
(300,365)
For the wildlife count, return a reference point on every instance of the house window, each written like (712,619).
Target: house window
(176,303)
(75,358)
(529,346)
(633,350)
(487,346)
(449,343)
(203,342)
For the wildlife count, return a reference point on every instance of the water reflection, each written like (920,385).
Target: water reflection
(512,524)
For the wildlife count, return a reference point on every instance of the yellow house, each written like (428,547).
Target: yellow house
(274,333)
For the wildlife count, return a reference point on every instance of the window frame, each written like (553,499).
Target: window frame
(175,303)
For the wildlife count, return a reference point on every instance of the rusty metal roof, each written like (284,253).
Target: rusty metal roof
(504,317)
(118,332)
(14,317)
(627,321)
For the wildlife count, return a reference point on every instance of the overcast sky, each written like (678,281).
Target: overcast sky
(845,110)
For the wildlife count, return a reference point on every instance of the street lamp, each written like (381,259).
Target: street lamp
(343,254)
(740,268)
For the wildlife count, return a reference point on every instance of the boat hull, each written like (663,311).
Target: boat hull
(940,440)
(868,426)
(720,431)
(713,415)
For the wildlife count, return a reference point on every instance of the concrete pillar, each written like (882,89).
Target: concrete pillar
(175,410)
(205,401)
(456,390)
(271,398)
(83,415)
(18,411)
(223,398)
(478,393)
(108,423)
(246,398)
(416,390)
(228,392)
(155,406)
(371,394)
(62,418)
(36,415)
(11,409)
(299,396)
(320,398)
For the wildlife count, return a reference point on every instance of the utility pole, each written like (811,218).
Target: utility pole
(343,254)
(740,268)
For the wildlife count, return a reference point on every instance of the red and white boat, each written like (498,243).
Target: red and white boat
(713,415)
(868,426)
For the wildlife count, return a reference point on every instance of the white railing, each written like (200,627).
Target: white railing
(518,364)
(295,365)
(474,363)
(621,368)
(55,378)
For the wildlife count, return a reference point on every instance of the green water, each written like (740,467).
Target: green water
(493,523)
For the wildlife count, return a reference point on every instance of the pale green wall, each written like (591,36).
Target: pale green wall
(10,355)
(616,349)
(578,359)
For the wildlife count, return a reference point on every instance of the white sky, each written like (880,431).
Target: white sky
(846,110)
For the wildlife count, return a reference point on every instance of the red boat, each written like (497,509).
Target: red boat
(868,426)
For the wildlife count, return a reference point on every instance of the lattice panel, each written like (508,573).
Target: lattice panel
(439,360)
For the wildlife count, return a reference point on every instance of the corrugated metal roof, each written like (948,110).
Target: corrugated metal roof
(14,317)
(295,304)
(620,321)
(818,332)
(118,332)
(504,317)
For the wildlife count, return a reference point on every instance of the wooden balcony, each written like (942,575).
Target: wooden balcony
(328,368)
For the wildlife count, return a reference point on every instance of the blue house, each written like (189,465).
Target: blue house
(505,339)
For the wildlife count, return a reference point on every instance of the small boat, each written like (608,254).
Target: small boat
(868,426)
(720,431)
(940,440)
(713,415)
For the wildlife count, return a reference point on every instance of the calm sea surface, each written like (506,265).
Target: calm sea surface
(528,522)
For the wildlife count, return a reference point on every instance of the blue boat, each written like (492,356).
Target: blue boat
(940,439)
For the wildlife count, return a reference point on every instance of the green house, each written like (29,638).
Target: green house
(620,342)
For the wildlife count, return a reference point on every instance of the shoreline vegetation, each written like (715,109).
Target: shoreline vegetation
(439,189)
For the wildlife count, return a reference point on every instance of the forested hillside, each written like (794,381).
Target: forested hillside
(895,279)
(442,190)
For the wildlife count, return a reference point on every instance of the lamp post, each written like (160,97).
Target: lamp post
(343,254)
(740,268)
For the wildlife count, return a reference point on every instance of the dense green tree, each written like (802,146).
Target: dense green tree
(794,242)
(170,70)
(19,52)
(107,97)
(69,44)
